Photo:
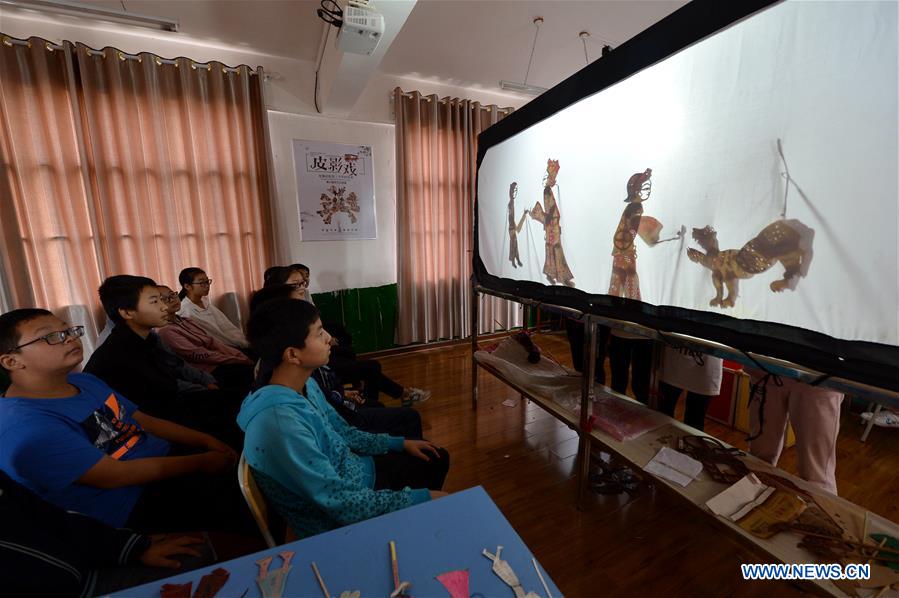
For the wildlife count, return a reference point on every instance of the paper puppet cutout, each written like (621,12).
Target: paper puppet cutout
(514,228)
(504,571)
(455,582)
(211,583)
(175,590)
(271,582)
(555,267)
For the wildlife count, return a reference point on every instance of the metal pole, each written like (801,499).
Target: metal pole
(587,395)
(474,347)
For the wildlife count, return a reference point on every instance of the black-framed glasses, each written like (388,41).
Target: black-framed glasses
(55,338)
(299,285)
(169,297)
(202,283)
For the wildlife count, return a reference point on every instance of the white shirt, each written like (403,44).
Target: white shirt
(213,321)
(680,369)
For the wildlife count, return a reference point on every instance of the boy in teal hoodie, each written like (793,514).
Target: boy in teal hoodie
(318,471)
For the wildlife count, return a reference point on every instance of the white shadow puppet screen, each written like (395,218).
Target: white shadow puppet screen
(752,174)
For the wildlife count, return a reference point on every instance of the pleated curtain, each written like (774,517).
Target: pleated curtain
(118,164)
(436,147)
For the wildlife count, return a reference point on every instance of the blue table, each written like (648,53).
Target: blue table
(431,538)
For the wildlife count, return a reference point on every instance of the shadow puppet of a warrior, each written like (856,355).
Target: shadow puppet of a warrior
(555,266)
(625,281)
(513,228)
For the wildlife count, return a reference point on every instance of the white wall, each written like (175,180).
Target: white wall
(336,265)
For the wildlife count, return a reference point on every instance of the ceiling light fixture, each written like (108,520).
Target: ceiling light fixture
(104,14)
(524,87)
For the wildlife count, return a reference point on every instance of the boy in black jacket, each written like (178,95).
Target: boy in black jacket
(132,361)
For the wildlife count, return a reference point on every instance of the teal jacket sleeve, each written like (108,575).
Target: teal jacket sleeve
(362,443)
(295,459)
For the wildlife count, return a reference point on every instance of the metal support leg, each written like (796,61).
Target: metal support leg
(474,347)
(587,396)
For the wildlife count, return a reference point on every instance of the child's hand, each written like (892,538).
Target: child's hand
(214,444)
(162,547)
(217,462)
(355,396)
(420,448)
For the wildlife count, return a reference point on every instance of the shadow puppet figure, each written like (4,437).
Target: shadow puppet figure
(625,282)
(513,228)
(555,267)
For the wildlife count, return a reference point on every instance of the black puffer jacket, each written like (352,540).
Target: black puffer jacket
(46,551)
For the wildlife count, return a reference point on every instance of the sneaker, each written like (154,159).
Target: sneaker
(415,395)
(887,419)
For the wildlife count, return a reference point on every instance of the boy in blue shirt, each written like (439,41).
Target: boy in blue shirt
(76,443)
(318,471)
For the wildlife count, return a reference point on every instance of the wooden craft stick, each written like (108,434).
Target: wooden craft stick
(321,581)
(540,575)
(883,591)
(865,528)
(879,546)
(394,566)
(862,545)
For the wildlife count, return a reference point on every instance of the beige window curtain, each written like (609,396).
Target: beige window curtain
(436,146)
(168,158)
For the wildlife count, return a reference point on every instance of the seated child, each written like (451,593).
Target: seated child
(319,472)
(76,443)
(229,366)
(349,404)
(195,287)
(365,374)
(135,363)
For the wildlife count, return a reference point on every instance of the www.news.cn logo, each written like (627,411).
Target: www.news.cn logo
(807,571)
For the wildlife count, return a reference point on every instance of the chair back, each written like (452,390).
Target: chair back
(255,500)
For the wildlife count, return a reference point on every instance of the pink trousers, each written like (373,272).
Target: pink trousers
(815,415)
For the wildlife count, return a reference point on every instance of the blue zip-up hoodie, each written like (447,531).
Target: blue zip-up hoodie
(313,466)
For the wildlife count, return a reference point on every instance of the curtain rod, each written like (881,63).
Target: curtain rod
(490,107)
(12,41)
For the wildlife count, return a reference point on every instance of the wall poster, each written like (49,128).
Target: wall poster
(336,191)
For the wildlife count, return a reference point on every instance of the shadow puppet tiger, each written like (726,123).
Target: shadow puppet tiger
(788,242)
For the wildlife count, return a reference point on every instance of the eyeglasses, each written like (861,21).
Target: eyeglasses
(299,285)
(202,283)
(169,298)
(55,338)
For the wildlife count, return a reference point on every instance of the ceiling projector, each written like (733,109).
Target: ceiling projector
(362,29)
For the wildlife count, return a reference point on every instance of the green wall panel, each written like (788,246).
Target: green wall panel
(368,314)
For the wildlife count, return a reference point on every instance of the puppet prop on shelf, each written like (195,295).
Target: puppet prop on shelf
(525,340)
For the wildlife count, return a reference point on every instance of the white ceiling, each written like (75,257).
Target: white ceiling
(466,43)
(481,42)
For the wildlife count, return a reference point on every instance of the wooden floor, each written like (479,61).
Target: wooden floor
(649,544)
